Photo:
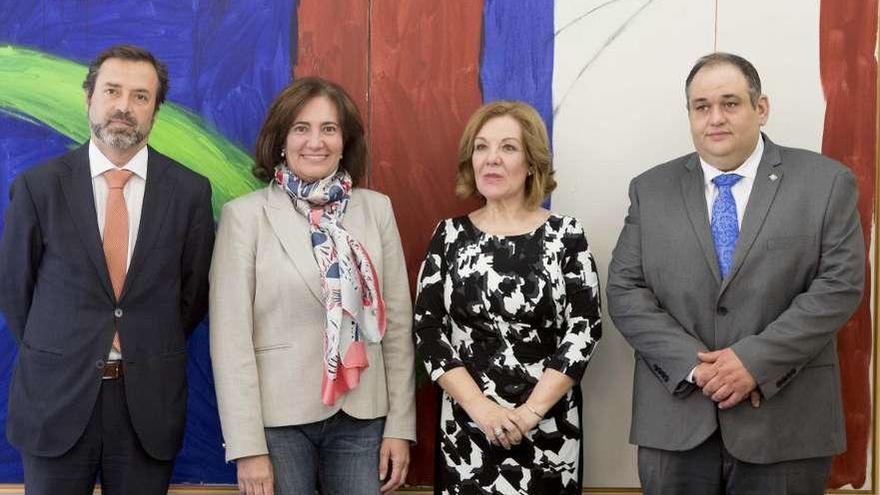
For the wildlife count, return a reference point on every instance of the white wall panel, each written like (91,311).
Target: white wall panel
(781,38)
(619,95)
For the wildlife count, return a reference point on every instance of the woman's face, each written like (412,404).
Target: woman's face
(500,167)
(313,146)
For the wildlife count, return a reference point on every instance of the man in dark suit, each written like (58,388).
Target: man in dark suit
(735,268)
(103,275)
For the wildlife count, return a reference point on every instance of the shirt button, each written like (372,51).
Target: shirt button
(99,364)
(117,312)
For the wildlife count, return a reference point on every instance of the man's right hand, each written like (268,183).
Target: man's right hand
(703,373)
(255,475)
(755,398)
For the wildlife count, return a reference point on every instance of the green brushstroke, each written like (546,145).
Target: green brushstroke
(43,88)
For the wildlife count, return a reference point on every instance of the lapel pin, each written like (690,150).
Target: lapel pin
(773,177)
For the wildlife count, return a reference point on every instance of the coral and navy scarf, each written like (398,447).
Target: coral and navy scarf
(354,305)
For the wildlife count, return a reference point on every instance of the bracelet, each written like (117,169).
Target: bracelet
(532,409)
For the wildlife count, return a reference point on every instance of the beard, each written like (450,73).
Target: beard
(120,139)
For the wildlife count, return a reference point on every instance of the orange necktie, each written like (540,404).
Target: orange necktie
(116,234)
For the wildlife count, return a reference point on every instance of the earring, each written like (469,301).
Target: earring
(282,153)
(530,172)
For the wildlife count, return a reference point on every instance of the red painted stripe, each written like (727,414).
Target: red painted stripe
(423,85)
(333,43)
(849,77)
(413,70)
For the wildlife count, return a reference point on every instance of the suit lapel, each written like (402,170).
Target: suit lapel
(767,180)
(693,189)
(157,195)
(77,186)
(289,227)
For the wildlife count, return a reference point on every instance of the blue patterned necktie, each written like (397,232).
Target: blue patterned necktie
(725,228)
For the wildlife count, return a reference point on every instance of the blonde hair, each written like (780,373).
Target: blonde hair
(536,147)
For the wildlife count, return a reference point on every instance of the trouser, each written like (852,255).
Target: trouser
(709,469)
(109,447)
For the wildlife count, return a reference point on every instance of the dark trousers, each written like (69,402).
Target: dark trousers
(709,469)
(109,447)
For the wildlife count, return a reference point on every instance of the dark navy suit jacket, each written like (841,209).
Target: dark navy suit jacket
(56,295)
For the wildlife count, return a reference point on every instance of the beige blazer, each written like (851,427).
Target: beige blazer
(267,319)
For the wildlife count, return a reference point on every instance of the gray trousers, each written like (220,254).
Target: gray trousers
(709,469)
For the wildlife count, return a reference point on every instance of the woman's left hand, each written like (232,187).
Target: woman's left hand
(524,419)
(396,452)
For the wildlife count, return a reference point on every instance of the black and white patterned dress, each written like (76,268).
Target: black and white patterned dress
(506,308)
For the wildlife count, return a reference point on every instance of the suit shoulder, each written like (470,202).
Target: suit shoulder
(253,200)
(181,172)
(370,196)
(374,204)
(54,166)
(670,170)
(811,163)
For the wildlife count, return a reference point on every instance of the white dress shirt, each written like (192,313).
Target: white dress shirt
(133,193)
(740,191)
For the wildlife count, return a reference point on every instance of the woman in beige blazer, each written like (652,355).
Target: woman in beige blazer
(310,311)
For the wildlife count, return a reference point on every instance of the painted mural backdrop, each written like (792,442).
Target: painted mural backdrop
(417,69)
(227,61)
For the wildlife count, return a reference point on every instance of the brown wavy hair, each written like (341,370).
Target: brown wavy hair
(282,114)
(536,147)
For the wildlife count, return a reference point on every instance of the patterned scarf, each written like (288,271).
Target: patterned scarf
(355,309)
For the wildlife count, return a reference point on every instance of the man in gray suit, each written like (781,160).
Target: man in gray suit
(735,268)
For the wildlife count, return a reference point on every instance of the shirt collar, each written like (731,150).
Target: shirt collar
(98,163)
(749,168)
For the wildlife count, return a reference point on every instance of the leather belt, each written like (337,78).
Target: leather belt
(112,370)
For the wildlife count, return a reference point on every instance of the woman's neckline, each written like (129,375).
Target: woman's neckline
(502,235)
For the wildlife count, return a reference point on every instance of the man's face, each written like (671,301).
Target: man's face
(122,107)
(724,124)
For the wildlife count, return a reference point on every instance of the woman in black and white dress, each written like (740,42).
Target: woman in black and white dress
(507,317)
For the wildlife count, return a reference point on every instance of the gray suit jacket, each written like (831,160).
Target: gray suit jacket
(797,276)
(267,319)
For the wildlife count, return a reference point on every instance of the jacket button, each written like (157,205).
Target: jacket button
(722,310)
(117,312)
(99,364)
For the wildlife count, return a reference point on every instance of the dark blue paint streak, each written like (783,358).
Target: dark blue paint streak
(227,61)
(22,144)
(517,58)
